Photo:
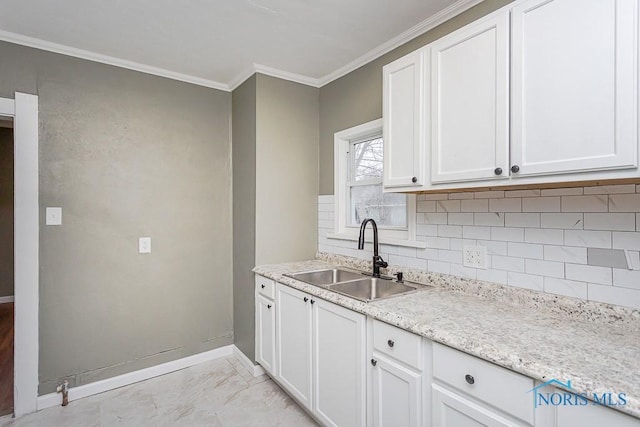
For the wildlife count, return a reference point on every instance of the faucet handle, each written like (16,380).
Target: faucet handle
(380,262)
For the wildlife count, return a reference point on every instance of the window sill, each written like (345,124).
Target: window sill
(382,240)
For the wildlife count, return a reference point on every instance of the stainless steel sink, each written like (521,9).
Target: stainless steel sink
(326,277)
(371,288)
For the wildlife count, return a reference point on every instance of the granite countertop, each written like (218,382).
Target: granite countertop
(596,346)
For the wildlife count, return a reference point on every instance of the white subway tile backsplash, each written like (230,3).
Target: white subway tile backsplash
(488,194)
(626,278)
(426,206)
(562,191)
(536,239)
(610,221)
(569,288)
(589,273)
(587,238)
(614,295)
(610,189)
(453,257)
(491,275)
(493,248)
(439,267)
(591,203)
(507,234)
(528,281)
(541,204)
(460,196)
(489,218)
(544,268)
(462,271)
(544,235)
(507,263)
(531,220)
(522,193)
(565,254)
(440,196)
(474,232)
(450,231)
(525,250)
(426,230)
(460,218)
(476,205)
(567,221)
(435,218)
(626,240)
(448,206)
(437,242)
(624,203)
(505,205)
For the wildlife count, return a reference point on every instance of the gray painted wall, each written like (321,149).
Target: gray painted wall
(244,214)
(286,171)
(356,98)
(6,211)
(275,185)
(127,155)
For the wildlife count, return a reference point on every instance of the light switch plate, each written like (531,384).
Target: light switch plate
(53,216)
(144,245)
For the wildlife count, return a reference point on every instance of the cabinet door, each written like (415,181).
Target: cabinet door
(293,343)
(396,394)
(265,333)
(469,102)
(403,121)
(339,365)
(452,410)
(574,85)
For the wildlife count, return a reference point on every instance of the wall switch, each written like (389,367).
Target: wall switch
(144,245)
(474,256)
(53,216)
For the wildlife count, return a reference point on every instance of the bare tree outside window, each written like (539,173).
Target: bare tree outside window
(365,187)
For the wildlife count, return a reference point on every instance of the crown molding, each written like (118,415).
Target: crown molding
(415,31)
(109,60)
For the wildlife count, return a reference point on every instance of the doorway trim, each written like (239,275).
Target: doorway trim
(24,111)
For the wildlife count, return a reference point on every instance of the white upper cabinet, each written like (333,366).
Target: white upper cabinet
(574,85)
(470,102)
(404,127)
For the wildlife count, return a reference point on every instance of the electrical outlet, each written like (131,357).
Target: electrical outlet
(144,245)
(474,256)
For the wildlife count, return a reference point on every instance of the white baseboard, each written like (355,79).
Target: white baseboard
(256,370)
(54,399)
(4,300)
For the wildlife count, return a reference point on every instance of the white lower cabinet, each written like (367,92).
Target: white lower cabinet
(321,356)
(396,394)
(451,409)
(347,370)
(395,376)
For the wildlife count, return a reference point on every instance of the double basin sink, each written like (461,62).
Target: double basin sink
(355,284)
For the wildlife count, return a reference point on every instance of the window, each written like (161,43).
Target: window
(359,192)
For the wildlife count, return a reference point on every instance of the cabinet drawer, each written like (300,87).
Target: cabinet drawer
(485,381)
(266,287)
(398,344)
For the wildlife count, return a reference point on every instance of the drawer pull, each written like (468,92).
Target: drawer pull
(312,302)
(306,299)
(262,286)
(390,343)
(269,306)
(469,379)
(374,362)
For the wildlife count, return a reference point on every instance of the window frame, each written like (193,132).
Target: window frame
(343,161)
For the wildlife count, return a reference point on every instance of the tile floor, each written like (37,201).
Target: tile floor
(217,393)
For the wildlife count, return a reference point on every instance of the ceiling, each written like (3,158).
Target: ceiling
(218,43)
